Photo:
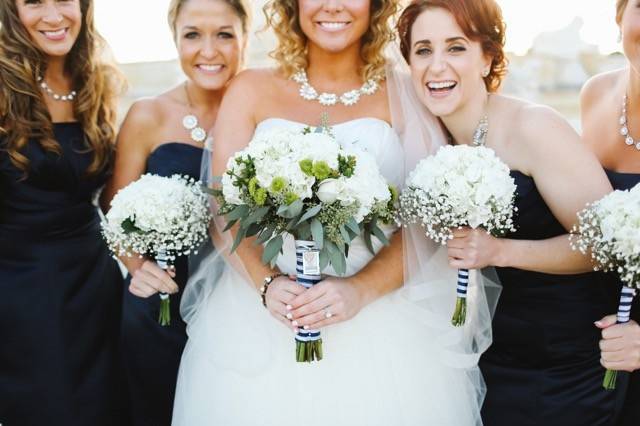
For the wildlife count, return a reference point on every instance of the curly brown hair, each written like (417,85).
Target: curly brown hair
(242,8)
(282,16)
(621,5)
(23,112)
(480,20)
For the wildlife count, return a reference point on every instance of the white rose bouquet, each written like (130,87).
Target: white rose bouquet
(163,217)
(305,184)
(459,186)
(609,229)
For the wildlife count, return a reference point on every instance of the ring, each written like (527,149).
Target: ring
(327,314)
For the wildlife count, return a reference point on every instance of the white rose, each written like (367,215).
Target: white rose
(329,190)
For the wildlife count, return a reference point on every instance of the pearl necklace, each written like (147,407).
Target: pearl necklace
(67,98)
(624,129)
(190,122)
(330,99)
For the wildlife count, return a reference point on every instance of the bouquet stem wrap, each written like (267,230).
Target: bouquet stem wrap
(308,342)
(164,317)
(624,314)
(460,313)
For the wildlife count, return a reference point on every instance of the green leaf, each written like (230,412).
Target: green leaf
(345,235)
(272,249)
(129,226)
(353,226)
(303,231)
(265,235)
(338,262)
(292,210)
(324,259)
(239,212)
(317,233)
(253,229)
(257,215)
(239,237)
(366,236)
(312,212)
(230,225)
(379,234)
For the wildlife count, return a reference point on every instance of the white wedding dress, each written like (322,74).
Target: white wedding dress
(387,366)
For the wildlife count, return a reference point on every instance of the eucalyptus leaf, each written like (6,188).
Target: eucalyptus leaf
(265,235)
(353,226)
(379,234)
(366,236)
(239,212)
(272,249)
(345,235)
(253,229)
(230,225)
(324,259)
(338,262)
(317,233)
(258,214)
(239,237)
(312,212)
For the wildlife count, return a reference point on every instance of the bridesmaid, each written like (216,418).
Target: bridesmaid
(543,367)
(60,289)
(602,103)
(156,137)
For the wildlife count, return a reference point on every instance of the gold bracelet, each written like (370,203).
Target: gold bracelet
(265,286)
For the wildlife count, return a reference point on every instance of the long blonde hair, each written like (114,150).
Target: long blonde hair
(282,16)
(23,112)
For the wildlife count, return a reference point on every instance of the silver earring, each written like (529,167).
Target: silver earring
(485,73)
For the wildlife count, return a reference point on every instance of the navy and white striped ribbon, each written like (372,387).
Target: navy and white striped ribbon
(463,283)
(626,299)
(162,259)
(307,281)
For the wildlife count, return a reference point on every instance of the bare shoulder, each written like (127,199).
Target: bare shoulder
(145,113)
(254,82)
(600,85)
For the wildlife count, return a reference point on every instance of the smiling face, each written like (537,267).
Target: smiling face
(53,25)
(630,29)
(447,68)
(210,41)
(334,25)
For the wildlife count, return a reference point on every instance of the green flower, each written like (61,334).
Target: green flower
(260,196)
(394,194)
(290,197)
(278,184)
(307,167)
(346,165)
(321,170)
(253,186)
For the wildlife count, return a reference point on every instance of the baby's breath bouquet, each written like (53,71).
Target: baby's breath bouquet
(163,217)
(305,184)
(609,229)
(459,186)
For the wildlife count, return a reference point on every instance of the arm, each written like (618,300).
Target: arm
(567,175)
(135,141)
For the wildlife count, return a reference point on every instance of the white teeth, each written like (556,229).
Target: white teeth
(441,84)
(333,25)
(54,33)
(212,68)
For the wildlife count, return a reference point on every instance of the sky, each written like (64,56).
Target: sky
(137,29)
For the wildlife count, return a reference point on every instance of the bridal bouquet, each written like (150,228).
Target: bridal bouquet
(159,216)
(459,186)
(305,184)
(609,229)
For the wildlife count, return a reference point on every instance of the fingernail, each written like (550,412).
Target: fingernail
(289,307)
(294,323)
(306,327)
(295,330)
(289,315)
(598,323)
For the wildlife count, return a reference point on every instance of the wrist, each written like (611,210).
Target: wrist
(501,255)
(266,282)
(364,294)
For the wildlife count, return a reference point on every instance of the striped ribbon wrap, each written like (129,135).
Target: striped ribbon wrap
(164,315)
(308,342)
(460,312)
(624,315)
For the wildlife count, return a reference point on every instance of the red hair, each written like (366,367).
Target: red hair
(480,20)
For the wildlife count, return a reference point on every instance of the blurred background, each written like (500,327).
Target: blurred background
(554,46)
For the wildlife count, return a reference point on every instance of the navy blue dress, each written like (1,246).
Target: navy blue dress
(543,367)
(630,415)
(60,293)
(152,352)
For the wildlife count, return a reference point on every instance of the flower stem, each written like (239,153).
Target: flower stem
(460,313)
(609,381)
(309,351)
(164,318)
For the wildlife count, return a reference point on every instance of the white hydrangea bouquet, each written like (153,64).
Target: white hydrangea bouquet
(305,184)
(163,217)
(609,229)
(459,186)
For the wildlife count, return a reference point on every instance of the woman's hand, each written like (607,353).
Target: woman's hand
(620,344)
(147,278)
(474,249)
(330,301)
(280,293)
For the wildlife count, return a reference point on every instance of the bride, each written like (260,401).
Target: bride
(391,356)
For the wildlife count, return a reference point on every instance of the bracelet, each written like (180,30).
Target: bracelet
(265,287)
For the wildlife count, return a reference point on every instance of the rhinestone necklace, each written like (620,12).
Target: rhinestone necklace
(624,129)
(67,98)
(190,122)
(330,99)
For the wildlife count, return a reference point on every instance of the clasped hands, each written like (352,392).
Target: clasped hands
(330,301)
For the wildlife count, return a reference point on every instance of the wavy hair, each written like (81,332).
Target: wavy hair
(291,52)
(23,112)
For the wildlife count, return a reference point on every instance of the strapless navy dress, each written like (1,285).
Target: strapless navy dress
(543,367)
(630,415)
(151,352)
(60,293)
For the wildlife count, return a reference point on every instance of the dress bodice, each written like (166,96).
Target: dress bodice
(55,199)
(621,180)
(175,158)
(367,134)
